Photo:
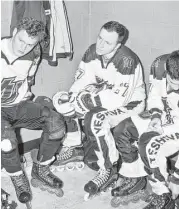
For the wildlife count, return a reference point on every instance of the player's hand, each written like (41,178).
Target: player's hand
(28,96)
(155,125)
(174,189)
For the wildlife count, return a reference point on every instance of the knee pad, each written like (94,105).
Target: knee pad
(45,112)
(7,146)
(45,101)
(55,125)
(57,135)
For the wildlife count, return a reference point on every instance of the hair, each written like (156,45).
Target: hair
(34,28)
(172,65)
(121,30)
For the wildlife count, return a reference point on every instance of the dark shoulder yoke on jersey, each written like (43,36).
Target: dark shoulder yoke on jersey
(90,54)
(3,56)
(158,67)
(125,61)
(32,55)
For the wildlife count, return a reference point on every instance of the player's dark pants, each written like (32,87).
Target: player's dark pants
(32,116)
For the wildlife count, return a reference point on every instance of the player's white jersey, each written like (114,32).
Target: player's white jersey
(16,75)
(122,75)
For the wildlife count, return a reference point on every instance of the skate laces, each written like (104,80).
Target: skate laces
(66,154)
(101,177)
(45,173)
(21,183)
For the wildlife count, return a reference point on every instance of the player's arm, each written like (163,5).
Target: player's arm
(157,88)
(84,75)
(157,84)
(137,101)
(175,177)
(174,180)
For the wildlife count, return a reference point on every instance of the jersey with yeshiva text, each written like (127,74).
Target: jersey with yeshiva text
(160,99)
(160,147)
(15,76)
(123,76)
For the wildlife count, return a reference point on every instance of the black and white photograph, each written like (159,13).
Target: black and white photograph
(89,104)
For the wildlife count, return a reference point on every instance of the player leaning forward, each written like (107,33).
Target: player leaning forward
(108,88)
(20,57)
(158,139)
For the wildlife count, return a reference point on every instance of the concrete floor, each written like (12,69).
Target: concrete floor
(73,198)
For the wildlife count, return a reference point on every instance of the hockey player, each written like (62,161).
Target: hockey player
(108,88)
(158,139)
(20,57)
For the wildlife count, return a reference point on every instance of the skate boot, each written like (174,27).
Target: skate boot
(104,180)
(5,202)
(22,187)
(163,201)
(130,190)
(177,203)
(69,159)
(43,178)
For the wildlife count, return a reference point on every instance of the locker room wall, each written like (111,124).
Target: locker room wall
(153,30)
(153,25)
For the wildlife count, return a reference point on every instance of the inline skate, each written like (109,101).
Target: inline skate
(22,188)
(104,180)
(69,158)
(130,190)
(43,178)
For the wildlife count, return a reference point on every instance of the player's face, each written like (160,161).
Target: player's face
(22,43)
(174,84)
(106,42)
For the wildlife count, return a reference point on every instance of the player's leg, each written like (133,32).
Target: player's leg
(11,161)
(34,116)
(98,128)
(132,179)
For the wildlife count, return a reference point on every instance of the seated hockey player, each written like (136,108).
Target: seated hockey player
(157,133)
(20,56)
(108,88)
(155,148)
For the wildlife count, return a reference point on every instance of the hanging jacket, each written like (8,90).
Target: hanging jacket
(58,43)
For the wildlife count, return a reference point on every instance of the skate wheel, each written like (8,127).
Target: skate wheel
(59,193)
(70,167)
(86,197)
(52,168)
(60,168)
(50,191)
(124,202)
(34,183)
(80,166)
(115,202)
(9,202)
(42,189)
(135,199)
